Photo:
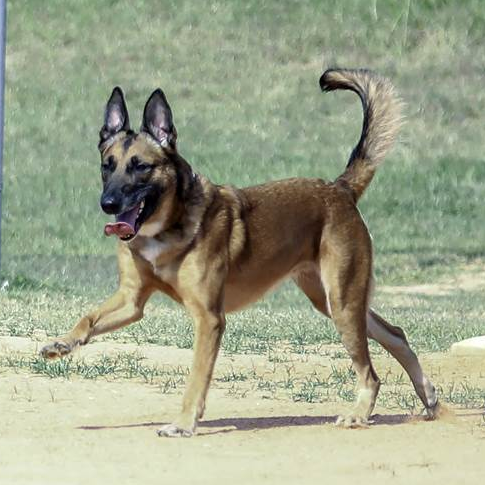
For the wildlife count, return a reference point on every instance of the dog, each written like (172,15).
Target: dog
(215,248)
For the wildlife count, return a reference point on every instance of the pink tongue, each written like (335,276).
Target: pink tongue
(124,225)
(121,229)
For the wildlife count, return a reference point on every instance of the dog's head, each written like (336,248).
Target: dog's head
(141,172)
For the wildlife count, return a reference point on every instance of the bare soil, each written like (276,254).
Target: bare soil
(103,431)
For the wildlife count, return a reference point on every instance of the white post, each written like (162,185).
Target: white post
(3,36)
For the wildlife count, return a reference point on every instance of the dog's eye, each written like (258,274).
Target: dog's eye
(143,167)
(138,166)
(108,165)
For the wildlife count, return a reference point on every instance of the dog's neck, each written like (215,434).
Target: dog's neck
(173,230)
(181,205)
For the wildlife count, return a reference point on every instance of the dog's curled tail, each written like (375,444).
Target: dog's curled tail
(382,119)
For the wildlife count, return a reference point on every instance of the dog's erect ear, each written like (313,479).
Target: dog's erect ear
(115,115)
(157,120)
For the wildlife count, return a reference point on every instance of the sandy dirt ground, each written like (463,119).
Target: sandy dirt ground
(103,431)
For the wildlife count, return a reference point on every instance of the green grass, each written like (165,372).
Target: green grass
(242,78)
(125,366)
(337,385)
(431,323)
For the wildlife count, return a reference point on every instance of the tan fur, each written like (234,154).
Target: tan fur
(217,249)
(382,120)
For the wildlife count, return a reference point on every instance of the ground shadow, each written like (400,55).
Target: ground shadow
(266,422)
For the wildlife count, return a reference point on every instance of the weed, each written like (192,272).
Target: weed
(464,394)
(233,375)
(128,366)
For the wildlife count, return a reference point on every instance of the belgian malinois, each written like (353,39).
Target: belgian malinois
(215,249)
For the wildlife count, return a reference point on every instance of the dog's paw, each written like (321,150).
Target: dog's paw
(439,412)
(352,421)
(174,431)
(55,350)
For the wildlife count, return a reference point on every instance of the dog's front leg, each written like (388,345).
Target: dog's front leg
(124,307)
(209,327)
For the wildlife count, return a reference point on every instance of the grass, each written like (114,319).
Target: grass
(242,81)
(125,366)
(284,381)
(431,323)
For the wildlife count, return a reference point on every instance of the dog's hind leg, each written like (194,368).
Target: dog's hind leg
(347,305)
(349,318)
(394,341)
(345,261)
(390,337)
(310,282)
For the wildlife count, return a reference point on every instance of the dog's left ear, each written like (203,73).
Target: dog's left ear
(116,117)
(157,120)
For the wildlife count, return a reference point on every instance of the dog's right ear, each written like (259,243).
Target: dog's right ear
(115,116)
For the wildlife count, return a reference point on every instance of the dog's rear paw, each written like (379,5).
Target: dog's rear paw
(174,431)
(55,350)
(439,411)
(352,421)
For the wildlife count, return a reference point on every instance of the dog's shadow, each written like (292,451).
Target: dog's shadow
(228,425)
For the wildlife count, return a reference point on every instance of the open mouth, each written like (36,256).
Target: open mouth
(127,223)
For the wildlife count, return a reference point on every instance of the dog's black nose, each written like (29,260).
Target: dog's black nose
(110,205)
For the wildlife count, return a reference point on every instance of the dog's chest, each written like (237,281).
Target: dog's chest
(153,250)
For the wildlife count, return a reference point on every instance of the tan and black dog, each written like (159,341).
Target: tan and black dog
(216,249)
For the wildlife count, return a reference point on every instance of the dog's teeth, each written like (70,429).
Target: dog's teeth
(142,204)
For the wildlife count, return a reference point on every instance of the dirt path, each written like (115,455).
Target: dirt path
(471,277)
(103,433)
(75,431)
